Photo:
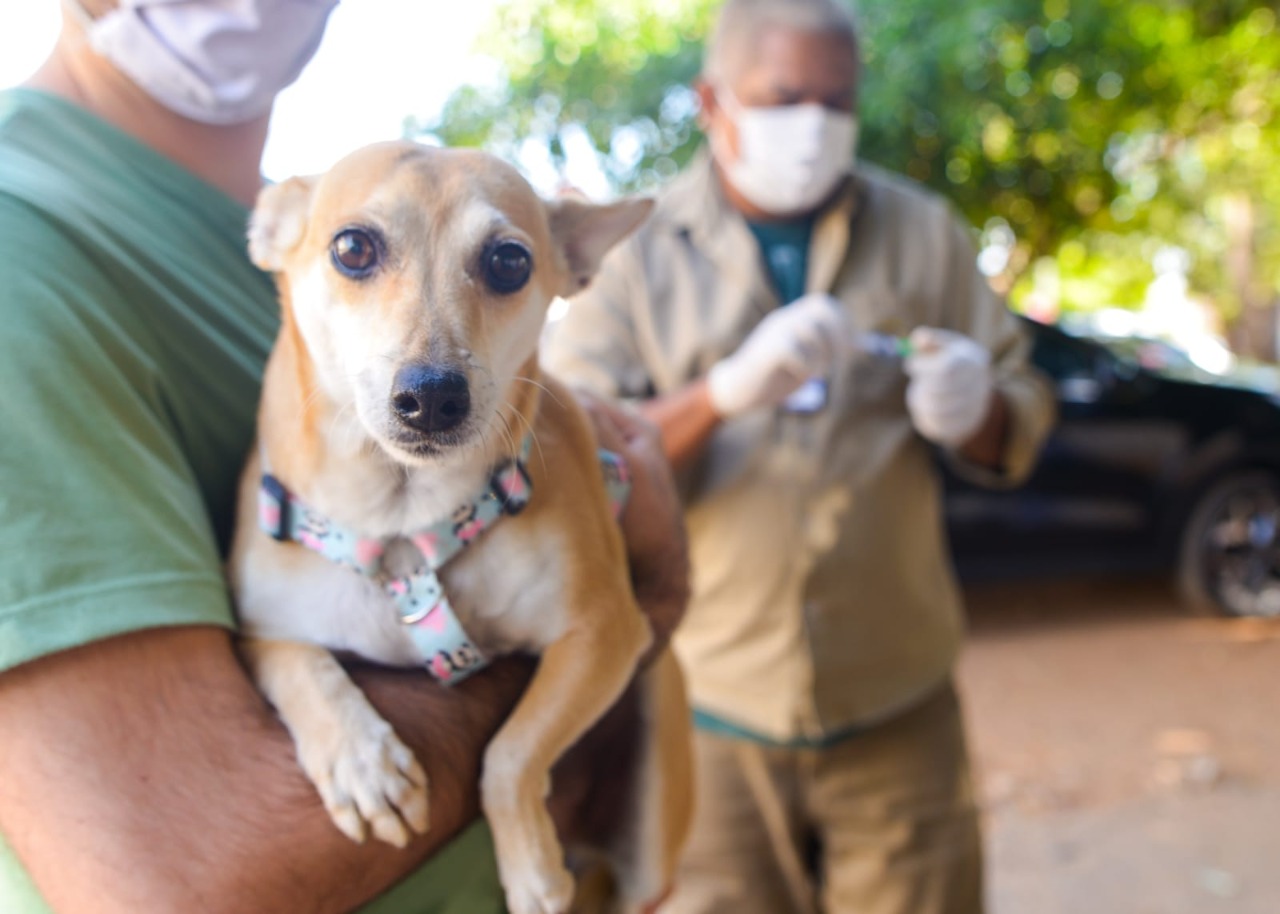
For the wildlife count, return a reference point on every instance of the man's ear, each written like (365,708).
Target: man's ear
(585,232)
(279,221)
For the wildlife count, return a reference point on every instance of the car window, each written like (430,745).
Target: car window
(1063,358)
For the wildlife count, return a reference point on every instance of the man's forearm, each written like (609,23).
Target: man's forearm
(986,447)
(150,762)
(686,420)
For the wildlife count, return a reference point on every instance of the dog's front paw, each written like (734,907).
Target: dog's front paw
(538,890)
(369,781)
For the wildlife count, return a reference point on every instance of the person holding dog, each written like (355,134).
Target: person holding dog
(807,334)
(139,769)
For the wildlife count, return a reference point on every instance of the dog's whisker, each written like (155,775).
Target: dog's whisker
(337,416)
(538,384)
(509,432)
(545,389)
(312,396)
(532,434)
(489,425)
(484,437)
(316,392)
(506,431)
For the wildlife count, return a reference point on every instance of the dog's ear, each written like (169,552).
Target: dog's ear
(279,220)
(586,231)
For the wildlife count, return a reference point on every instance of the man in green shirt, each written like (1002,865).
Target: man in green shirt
(139,769)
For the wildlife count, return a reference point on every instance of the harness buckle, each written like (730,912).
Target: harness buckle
(512,487)
(273,508)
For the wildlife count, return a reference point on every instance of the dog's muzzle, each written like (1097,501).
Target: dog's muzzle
(428,399)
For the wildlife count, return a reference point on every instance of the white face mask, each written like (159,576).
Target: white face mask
(790,158)
(213,61)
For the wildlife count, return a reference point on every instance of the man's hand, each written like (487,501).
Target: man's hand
(790,346)
(950,392)
(652,522)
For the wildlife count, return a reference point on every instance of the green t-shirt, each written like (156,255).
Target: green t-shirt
(133,332)
(784,246)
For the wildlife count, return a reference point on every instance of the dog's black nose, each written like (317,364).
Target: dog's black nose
(430,400)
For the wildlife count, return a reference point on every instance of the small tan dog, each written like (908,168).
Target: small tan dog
(404,384)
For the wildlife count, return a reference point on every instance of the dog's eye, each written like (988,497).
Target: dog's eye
(354,253)
(507,267)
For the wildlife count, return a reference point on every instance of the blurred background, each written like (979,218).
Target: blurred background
(1112,154)
(1117,160)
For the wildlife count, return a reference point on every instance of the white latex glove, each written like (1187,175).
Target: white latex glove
(950,387)
(794,343)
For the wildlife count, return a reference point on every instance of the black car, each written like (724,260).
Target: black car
(1144,471)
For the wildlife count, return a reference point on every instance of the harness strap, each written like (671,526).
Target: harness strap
(448,652)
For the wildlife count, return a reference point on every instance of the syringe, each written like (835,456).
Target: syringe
(882,345)
(811,396)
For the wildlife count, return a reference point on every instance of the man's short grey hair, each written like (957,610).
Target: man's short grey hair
(741,22)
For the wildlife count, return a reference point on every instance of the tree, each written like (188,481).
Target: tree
(1094,133)
(618,70)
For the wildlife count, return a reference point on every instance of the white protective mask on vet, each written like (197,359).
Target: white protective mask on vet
(790,157)
(213,61)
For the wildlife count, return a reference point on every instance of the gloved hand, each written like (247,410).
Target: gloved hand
(950,387)
(791,345)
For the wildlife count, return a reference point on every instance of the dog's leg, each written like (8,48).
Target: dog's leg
(579,677)
(364,773)
(661,804)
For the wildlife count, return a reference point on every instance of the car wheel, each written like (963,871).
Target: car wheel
(1229,562)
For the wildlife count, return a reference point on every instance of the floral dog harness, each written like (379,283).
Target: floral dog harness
(419,597)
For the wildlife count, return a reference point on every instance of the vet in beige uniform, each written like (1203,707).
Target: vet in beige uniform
(826,620)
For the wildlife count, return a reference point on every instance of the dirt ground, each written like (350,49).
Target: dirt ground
(1128,755)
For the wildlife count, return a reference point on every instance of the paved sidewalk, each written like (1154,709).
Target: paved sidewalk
(1129,755)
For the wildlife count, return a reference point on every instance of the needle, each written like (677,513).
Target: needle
(883,345)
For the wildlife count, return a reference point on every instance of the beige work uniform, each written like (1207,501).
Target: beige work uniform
(824,600)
